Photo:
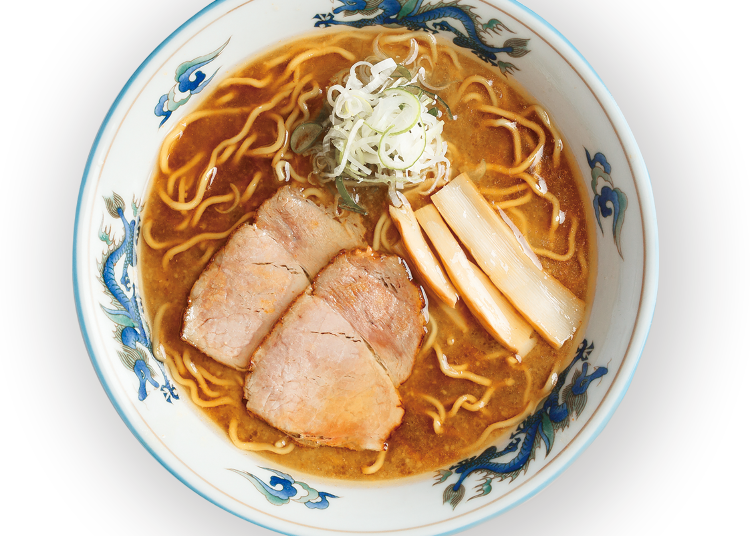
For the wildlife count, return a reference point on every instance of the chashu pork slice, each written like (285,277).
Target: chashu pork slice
(310,233)
(258,273)
(375,294)
(315,379)
(240,295)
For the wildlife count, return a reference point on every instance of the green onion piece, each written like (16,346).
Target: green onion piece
(433,111)
(400,72)
(305,136)
(347,202)
(324,114)
(433,95)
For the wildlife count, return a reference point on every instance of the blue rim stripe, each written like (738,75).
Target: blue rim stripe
(642,324)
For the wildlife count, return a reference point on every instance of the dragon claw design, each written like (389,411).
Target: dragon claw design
(538,428)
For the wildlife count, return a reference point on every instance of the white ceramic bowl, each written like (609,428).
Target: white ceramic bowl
(122,160)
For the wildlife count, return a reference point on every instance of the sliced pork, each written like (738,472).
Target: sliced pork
(240,295)
(328,372)
(259,271)
(316,379)
(310,233)
(375,294)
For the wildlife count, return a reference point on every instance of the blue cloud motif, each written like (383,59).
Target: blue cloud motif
(281,488)
(608,201)
(190,81)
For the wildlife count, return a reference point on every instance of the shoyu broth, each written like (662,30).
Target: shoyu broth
(168,272)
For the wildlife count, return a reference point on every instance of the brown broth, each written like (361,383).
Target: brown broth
(413,447)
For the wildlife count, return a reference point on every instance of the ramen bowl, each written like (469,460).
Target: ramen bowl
(515,465)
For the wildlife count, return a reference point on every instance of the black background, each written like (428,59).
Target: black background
(671,460)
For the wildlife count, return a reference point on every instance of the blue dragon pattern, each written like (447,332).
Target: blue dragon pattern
(553,414)
(130,330)
(416,15)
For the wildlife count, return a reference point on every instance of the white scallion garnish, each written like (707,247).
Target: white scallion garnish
(383,129)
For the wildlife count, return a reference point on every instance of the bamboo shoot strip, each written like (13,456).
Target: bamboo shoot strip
(554,311)
(422,256)
(486,303)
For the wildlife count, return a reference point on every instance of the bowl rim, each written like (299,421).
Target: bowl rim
(641,328)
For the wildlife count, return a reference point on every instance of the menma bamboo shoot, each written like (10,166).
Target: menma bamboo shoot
(424,260)
(486,303)
(554,311)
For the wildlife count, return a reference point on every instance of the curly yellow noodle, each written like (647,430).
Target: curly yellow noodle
(571,246)
(246,82)
(544,116)
(527,163)
(314,53)
(304,97)
(152,242)
(226,98)
(431,337)
(276,145)
(473,96)
(184,223)
(361,36)
(539,131)
(507,423)
(296,176)
(281,447)
(438,405)
(191,385)
(206,256)
(476,79)
(497,355)
(378,230)
(295,94)
(175,134)
(473,404)
(200,238)
(213,200)
(215,379)
(437,424)
(226,155)
(313,192)
(384,235)
(517,202)
(453,56)
(549,196)
(236,200)
(192,369)
(278,60)
(156,331)
(182,171)
(250,190)
(517,142)
(456,372)
(166,146)
(247,142)
(375,467)
(211,169)
(401,37)
(282,171)
(582,262)
(504,191)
